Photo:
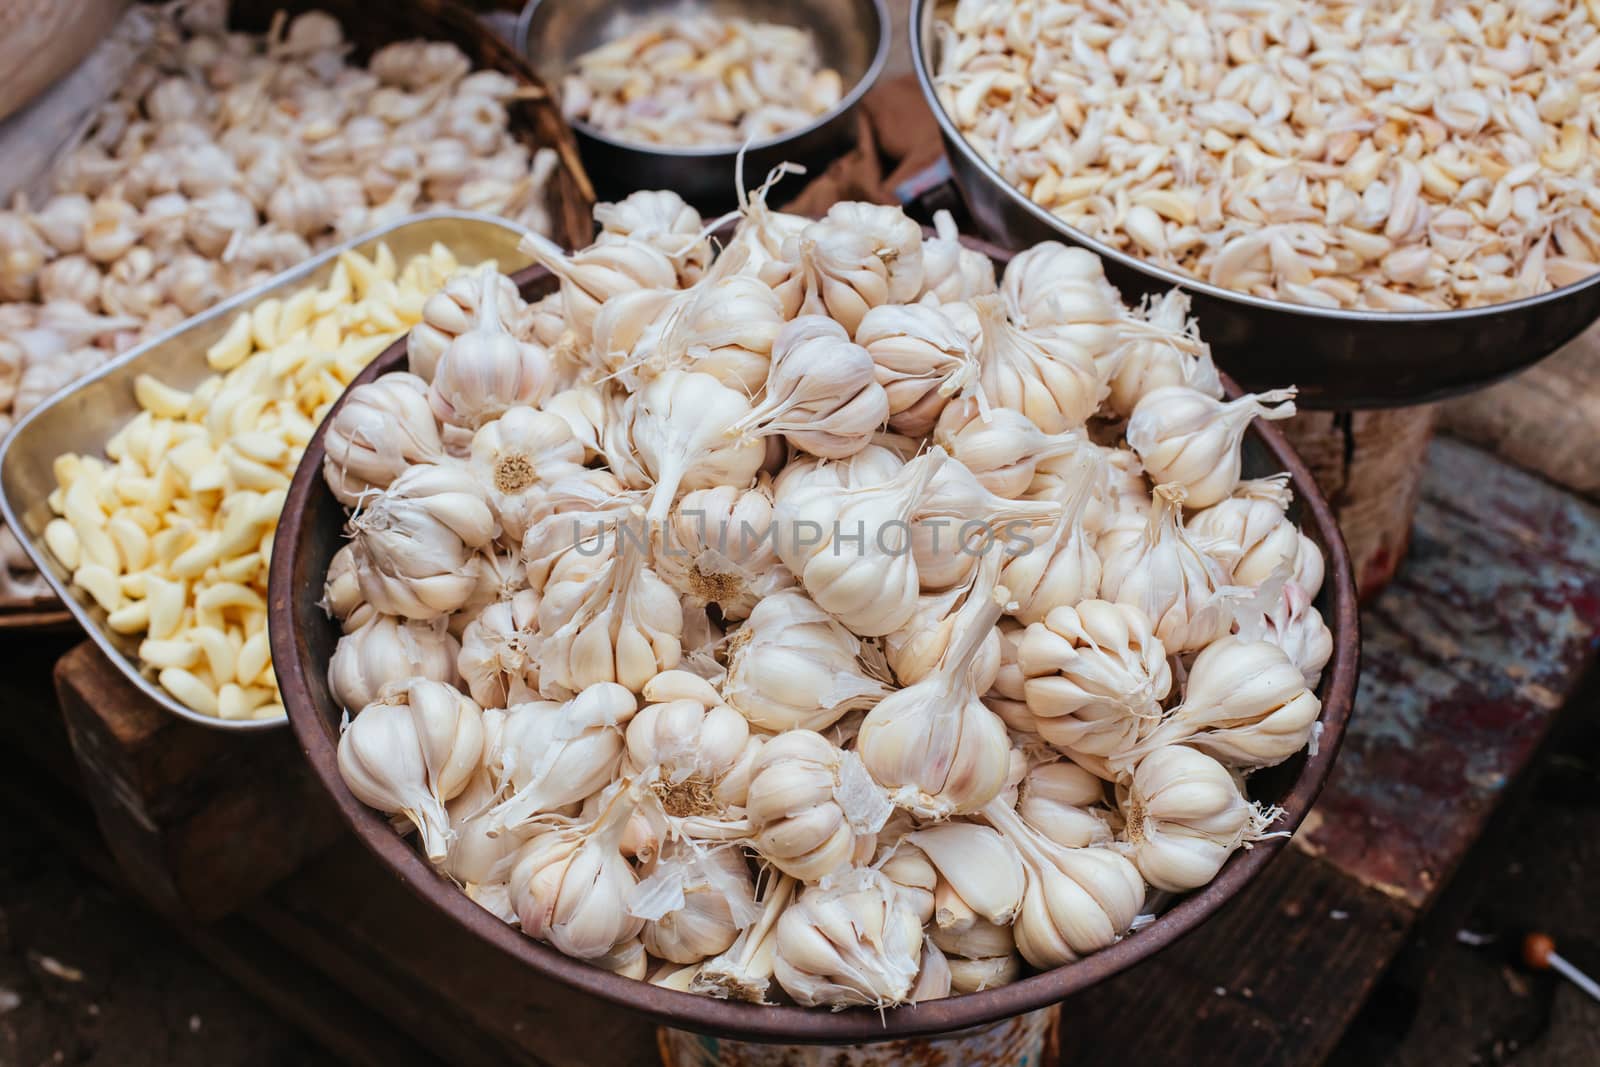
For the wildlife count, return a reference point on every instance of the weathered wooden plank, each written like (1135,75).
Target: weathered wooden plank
(1273,978)
(201,820)
(1546,419)
(1466,658)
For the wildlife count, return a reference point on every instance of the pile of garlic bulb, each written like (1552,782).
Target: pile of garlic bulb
(650,632)
(225,158)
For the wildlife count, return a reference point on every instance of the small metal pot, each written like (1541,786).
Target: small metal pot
(852,35)
(1338,358)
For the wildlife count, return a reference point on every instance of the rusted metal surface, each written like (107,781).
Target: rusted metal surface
(1466,659)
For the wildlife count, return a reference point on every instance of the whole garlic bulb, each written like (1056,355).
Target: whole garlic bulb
(1148,363)
(382,428)
(681,426)
(449,313)
(1063,568)
(1056,285)
(1160,569)
(694,901)
(822,391)
(791,666)
(1064,803)
(412,541)
(1295,625)
(934,745)
(1095,675)
(727,330)
(385,648)
(1000,446)
(922,360)
(496,659)
(1053,381)
(571,887)
(813,809)
(591,276)
(858,943)
(692,742)
(216,218)
(1077,901)
(1186,437)
(74,279)
(412,751)
(956,520)
(951,271)
(551,755)
(61,222)
(1185,816)
(896,240)
(517,457)
(1252,531)
(719,549)
(1245,703)
(486,371)
(661,219)
(914,652)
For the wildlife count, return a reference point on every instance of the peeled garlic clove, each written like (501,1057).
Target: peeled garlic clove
(383,649)
(1189,438)
(1245,703)
(809,803)
(979,865)
(486,371)
(856,944)
(1186,814)
(1094,677)
(381,429)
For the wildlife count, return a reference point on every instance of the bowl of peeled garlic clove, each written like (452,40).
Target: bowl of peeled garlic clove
(337,628)
(663,95)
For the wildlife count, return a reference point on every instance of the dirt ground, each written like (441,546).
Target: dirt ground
(88,977)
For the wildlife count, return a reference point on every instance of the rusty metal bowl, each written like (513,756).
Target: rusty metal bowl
(303,638)
(852,36)
(1339,358)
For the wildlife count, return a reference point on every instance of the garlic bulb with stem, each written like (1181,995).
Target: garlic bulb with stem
(1189,438)
(856,942)
(449,313)
(744,970)
(412,751)
(681,425)
(517,457)
(1001,447)
(486,371)
(956,520)
(1165,573)
(922,360)
(821,393)
(1144,364)
(872,587)
(570,886)
(1186,814)
(661,219)
(793,666)
(934,745)
(551,755)
(385,648)
(1052,284)
(1094,677)
(1253,533)
(914,651)
(813,809)
(496,660)
(1063,567)
(1245,703)
(591,276)
(1077,900)
(857,257)
(1053,381)
(382,428)
(951,271)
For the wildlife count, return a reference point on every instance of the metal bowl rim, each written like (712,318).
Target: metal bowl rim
(232,305)
(863,85)
(785,1023)
(922,14)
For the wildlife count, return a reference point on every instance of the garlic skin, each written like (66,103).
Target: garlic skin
(383,649)
(1186,437)
(1064,802)
(412,751)
(719,549)
(412,541)
(791,666)
(951,272)
(1159,568)
(382,428)
(979,865)
(496,659)
(551,755)
(1245,703)
(571,887)
(934,745)
(1077,901)
(856,944)
(1186,814)
(922,360)
(691,741)
(517,456)
(694,901)
(822,391)
(486,371)
(1094,677)
(812,808)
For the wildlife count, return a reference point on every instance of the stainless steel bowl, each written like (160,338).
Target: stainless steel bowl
(852,35)
(1338,358)
(84,415)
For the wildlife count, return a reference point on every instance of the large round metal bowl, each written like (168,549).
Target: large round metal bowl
(852,35)
(303,638)
(1338,358)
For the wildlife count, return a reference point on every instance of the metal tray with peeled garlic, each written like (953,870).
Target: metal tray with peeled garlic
(85,415)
